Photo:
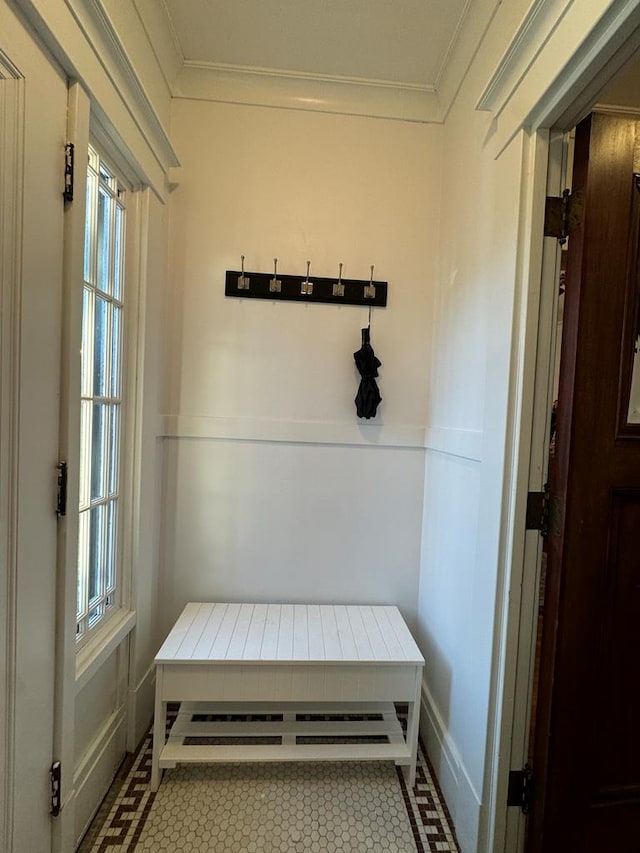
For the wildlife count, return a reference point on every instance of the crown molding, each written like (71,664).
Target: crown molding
(80,36)
(8,71)
(558,61)
(618,110)
(310,92)
(476,21)
(161,35)
(93,19)
(542,17)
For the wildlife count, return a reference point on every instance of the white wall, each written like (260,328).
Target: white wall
(273,488)
(464,479)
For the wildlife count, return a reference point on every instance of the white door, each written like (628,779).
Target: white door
(33,103)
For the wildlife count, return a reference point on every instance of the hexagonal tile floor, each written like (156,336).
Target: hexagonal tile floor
(272,808)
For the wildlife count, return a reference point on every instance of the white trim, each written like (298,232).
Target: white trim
(8,71)
(140,708)
(96,769)
(89,51)
(478,18)
(12,112)
(536,28)
(453,43)
(96,26)
(312,92)
(78,109)
(465,443)
(292,432)
(510,580)
(439,744)
(539,88)
(101,646)
(554,90)
(161,35)
(618,109)
(462,799)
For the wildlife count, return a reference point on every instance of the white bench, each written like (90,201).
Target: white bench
(289,661)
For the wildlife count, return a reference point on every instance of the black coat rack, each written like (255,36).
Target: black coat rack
(300,288)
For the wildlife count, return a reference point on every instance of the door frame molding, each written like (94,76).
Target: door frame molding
(12,115)
(558,106)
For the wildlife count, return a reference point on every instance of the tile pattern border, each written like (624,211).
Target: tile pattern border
(120,822)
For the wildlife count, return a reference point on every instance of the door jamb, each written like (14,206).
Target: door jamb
(63,828)
(509,695)
(532,453)
(12,145)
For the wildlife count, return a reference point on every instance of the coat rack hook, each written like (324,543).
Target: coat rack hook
(338,288)
(275,285)
(306,288)
(370,289)
(243,281)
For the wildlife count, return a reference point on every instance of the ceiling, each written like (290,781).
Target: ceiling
(404,42)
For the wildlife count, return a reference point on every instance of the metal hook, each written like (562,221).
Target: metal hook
(275,285)
(243,281)
(306,288)
(338,288)
(370,289)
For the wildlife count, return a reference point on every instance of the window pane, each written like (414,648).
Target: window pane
(87,342)
(112,522)
(104,240)
(83,561)
(96,553)
(101,396)
(95,615)
(100,350)
(85,452)
(98,451)
(115,351)
(105,175)
(89,230)
(118,259)
(114,446)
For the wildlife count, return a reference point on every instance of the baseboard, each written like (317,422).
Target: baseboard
(140,708)
(96,770)
(461,798)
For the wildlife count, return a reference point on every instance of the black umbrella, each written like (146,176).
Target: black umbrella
(368,397)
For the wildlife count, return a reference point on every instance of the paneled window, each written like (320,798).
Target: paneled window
(101,396)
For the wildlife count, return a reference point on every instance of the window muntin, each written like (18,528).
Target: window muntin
(101,397)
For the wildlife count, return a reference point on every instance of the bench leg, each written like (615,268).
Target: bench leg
(159,730)
(413,720)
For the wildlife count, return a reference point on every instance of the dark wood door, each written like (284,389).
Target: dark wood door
(586,795)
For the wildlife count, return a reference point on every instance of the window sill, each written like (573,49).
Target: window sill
(91,656)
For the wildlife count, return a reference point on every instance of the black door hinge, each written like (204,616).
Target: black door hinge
(68,172)
(61,503)
(562,215)
(538,511)
(55,775)
(544,512)
(520,787)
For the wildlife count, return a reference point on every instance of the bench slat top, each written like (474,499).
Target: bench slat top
(289,633)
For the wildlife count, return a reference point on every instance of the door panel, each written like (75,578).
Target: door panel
(32,380)
(618,755)
(586,767)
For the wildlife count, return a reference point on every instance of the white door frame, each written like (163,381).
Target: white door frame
(11,145)
(32,114)
(63,831)
(565,103)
